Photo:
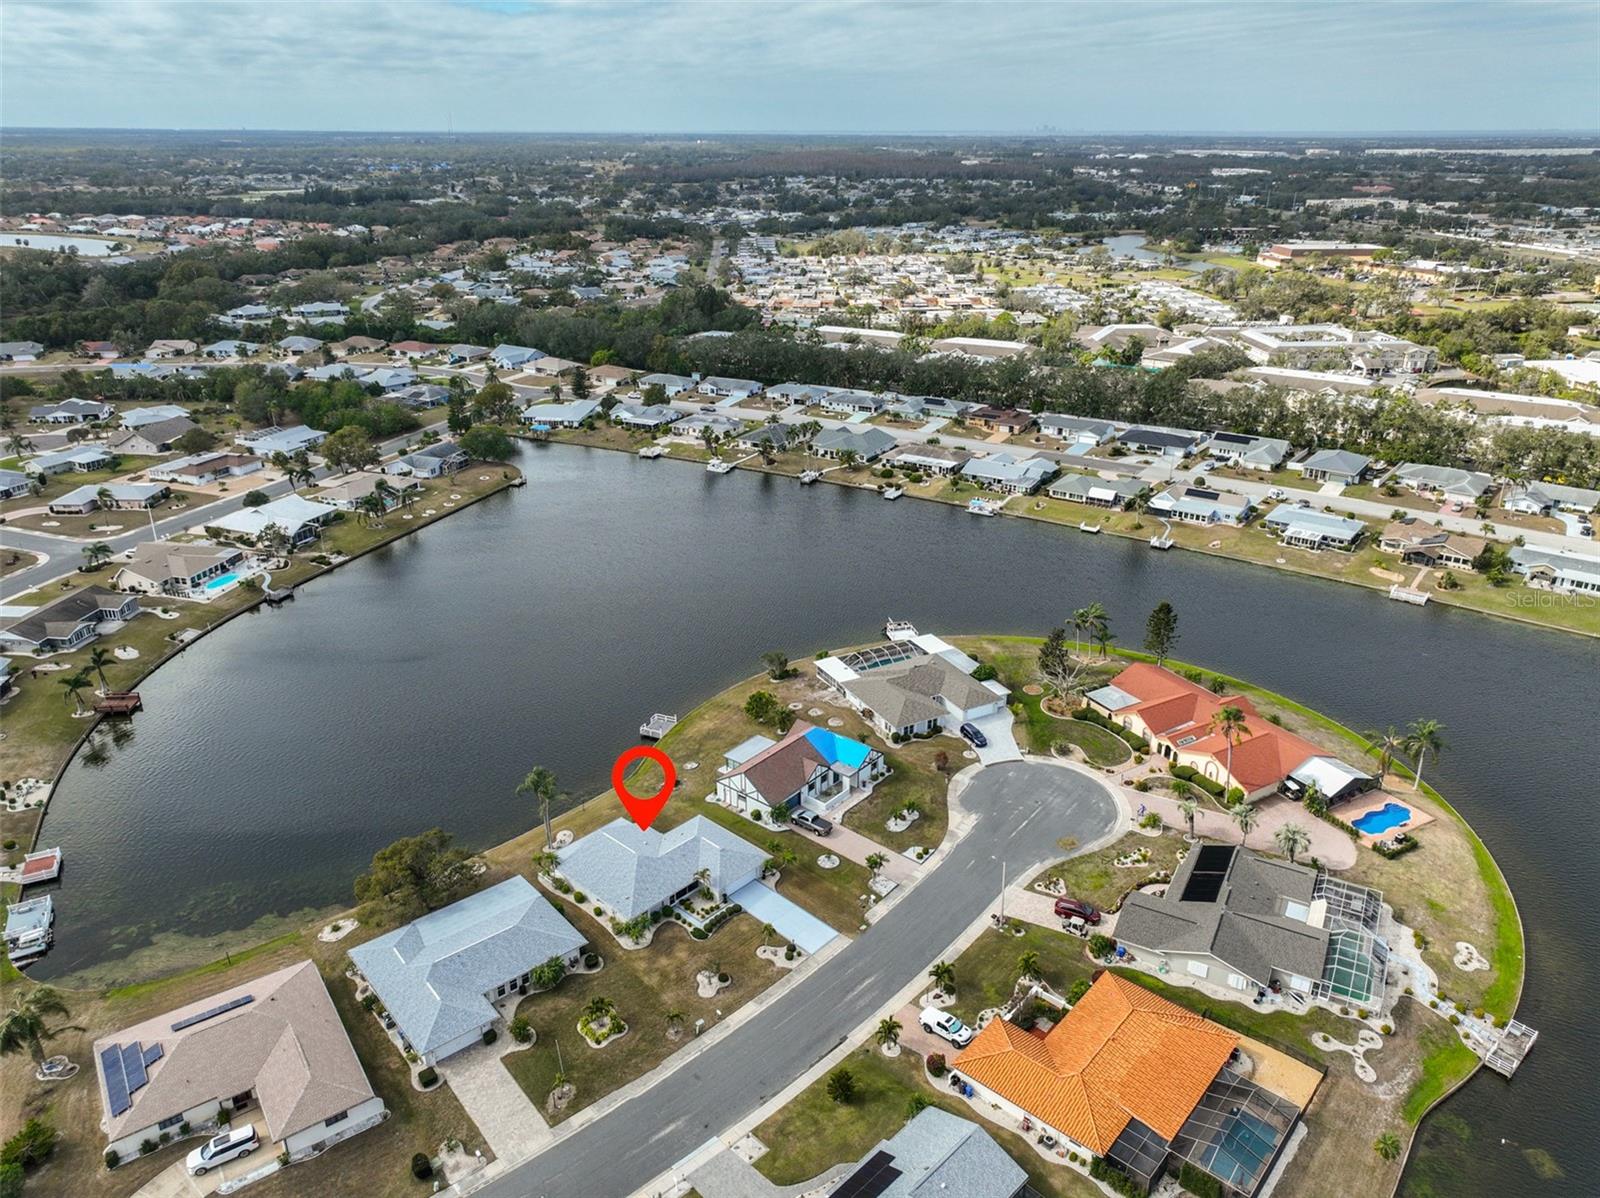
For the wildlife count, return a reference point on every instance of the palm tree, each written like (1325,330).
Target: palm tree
(943,975)
(599,1007)
(1292,839)
(875,862)
(1088,620)
(1385,746)
(1423,737)
(767,933)
(97,555)
(1230,722)
(75,683)
(541,783)
(27,1024)
(888,1033)
(1189,809)
(104,499)
(1387,1146)
(99,658)
(1246,817)
(545,862)
(1028,965)
(675,1020)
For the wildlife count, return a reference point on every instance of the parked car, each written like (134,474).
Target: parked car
(946,1026)
(811,822)
(1071,908)
(978,739)
(220,1149)
(1277,493)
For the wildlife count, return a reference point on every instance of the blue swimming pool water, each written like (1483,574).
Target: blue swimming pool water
(222,580)
(1390,815)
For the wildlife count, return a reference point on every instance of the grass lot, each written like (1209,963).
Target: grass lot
(646,984)
(986,971)
(1095,878)
(915,778)
(1045,731)
(813,1133)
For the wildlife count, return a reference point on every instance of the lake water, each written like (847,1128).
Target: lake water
(1132,245)
(415,688)
(87,247)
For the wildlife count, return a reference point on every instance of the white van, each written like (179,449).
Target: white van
(220,1149)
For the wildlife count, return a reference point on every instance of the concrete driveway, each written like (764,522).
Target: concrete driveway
(1002,744)
(504,1114)
(790,920)
(174,1181)
(1020,812)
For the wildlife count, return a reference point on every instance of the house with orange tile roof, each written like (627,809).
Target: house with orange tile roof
(1133,1078)
(1181,720)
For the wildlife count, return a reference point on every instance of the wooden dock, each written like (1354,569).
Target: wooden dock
(119,703)
(1511,1049)
(657,726)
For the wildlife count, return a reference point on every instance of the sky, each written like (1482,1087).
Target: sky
(805,66)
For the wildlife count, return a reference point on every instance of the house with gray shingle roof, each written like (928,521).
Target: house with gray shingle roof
(1249,922)
(1115,493)
(939,1155)
(1334,466)
(439,975)
(865,443)
(632,871)
(1448,481)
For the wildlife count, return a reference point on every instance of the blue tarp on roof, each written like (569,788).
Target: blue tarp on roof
(842,749)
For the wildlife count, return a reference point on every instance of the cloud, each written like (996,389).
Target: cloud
(839,65)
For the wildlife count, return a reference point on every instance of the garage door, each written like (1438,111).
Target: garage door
(792,921)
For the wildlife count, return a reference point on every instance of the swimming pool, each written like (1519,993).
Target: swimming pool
(223,580)
(1390,815)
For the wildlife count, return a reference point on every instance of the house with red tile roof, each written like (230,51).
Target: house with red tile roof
(1133,1078)
(1181,719)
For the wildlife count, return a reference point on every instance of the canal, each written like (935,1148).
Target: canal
(415,687)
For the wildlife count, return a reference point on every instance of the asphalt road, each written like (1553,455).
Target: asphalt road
(1022,811)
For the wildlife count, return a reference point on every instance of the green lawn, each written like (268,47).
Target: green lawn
(1445,1062)
(646,985)
(813,1133)
(915,779)
(1095,878)
(986,971)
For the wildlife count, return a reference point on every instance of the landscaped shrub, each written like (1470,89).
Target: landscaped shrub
(1234,797)
(1189,774)
(1150,820)
(30,1146)
(1387,1029)
(369,1001)
(421,1166)
(1102,1171)
(490,1036)
(579,896)
(9,845)
(1198,1182)
(428,1078)
(598,909)
(146,1147)
(1090,716)
(1101,945)
(1410,844)
(788,952)
(699,933)
(1077,990)
(936,1065)
(10,1181)
(112,1159)
(591,960)
(984,673)
(564,886)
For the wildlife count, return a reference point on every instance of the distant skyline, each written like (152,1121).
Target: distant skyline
(842,66)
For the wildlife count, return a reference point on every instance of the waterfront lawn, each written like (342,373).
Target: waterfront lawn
(915,779)
(813,1133)
(1046,732)
(1095,878)
(646,985)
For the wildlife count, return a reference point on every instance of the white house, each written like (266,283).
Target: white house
(632,871)
(810,767)
(913,687)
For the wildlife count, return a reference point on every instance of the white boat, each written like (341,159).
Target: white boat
(1162,542)
(718,466)
(893,492)
(1087,527)
(807,477)
(651,451)
(984,507)
(30,929)
(899,630)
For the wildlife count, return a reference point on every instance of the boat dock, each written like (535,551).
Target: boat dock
(657,726)
(119,703)
(1516,1040)
(43,866)
(1407,595)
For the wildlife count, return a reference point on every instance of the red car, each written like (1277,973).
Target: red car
(1070,908)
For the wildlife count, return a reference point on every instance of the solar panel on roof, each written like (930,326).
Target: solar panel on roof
(133,1067)
(212,1013)
(152,1055)
(871,1179)
(116,1083)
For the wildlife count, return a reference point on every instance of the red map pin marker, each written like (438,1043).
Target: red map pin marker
(643,810)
